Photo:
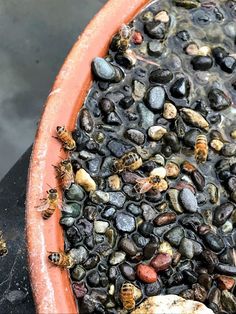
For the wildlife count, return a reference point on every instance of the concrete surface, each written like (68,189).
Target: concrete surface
(35,38)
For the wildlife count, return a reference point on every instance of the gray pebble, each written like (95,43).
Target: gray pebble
(188,200)
(125,222)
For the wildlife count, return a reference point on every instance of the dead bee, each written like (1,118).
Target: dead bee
(66,138)
(127,296)
(3,245)
(201,148)
(65,173)
(152,182)
(126,33)
(130,161)
(61,259)
(50,204)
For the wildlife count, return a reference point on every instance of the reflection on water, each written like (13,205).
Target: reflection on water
(35,38)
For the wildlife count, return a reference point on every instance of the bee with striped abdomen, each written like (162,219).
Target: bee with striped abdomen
(125,34)
(61,259)
(49,205)
(201,148)
(130,161)
(65,173)
(127,296)
(152,182)
(66,138)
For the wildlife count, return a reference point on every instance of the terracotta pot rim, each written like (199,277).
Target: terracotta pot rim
(51,286)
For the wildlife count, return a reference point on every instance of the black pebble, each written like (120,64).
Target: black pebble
(155,48)
(180,88)
(93,279)
(161,76)
(202,63)
(146,229)
(126,102)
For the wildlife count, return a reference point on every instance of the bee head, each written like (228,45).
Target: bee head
(60,129)
(156,179)
(52,191)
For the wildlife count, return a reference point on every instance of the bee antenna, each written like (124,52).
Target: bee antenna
(49,185)
(60,157)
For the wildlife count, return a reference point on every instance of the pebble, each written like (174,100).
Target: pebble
(218,99)
(149,213)
(155,48)
(127,271)
(139,90)
(172,170)
(171,304)
(106,105)
(15,296)
(222,213)
(201,63)
(99,197)
(170,111)
(134,209)
(188,200)
(225,282)
(175,235)
(152,289)
(105,71)
(228,301)
(80,290)
(217,145)
(117,258)
(100,226)
(228,150)
(86,121)
(79,255)
(192,49)
(165,247)
(150,249)
(71,210)
(146,229)
(125,222)
(139,240)
(84,179)
(194,118)
(114,182)
(186,248)
(173,195)
(113,119)
(165,219)
(155,29)
(117,199)
(161,261)
(75,193)
(159,172)
(180,88)
(155,98)
(128,246)
(130,177)
(135,136)
(93,279)
(118,147)
(228,64)
(146,273)
(162,16)
(200,293)
(160,76)
(146,116)
(214,242)
(156,132)
(126,102)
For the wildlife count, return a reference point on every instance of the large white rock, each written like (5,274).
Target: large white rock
(171,304)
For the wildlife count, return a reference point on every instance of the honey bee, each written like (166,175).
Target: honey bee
(65,173)
(130,161)
(201,149)
(126,33)
(127,296)
(3,245)
(50,204)
(66,138)
(61,259)
(152,182)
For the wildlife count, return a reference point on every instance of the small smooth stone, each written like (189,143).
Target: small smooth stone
(99,197)
(117,199)
(100,226)
(153,289)
(109,213)
(222,213)
(134,209)
(139,240)
(93,165)
(126,102)
(216,145)
(127,271)
(160,76)
(128,246)
(227,227)
(86,121)
(230,29)
(165,219)
(161,261)
(190,137)
(150,249)
(155,29)
(135,136)
(192,49)
(170,111)
(91,262)
(155,48)
(125,222)
(180,88)
(78,273)
(156,132)
(229,150)
(84,179)
(226,269)
(200,293)
(175,235)
(171,304)
(233,134)
(225,282)
(198,180)
(159,172)
(172,170)
(165,247)
(106,105)
(155,98)
(146,116)
(205,280)
(118,148)
(126,59)
(172,141)
(173,195)
(90,212)
(188,200)
(79,290)
(105,71)
(194,118)
(67,221)
(183,35)
(201,63)
(214,242)
(218,99)
(186,248)
(75,193)
(114,182)
(149,213)
(228,301)
(139,90)
(79,255)
(232,183)
(146,273)
(117,258)
(71,210)
(162,16)
(93,279)
(228,64)
(146,229)
(113,119)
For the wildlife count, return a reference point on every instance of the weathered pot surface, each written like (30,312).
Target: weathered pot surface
(51,285)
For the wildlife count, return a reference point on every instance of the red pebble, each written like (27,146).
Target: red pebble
(137,38)
(225,282)
(146,273)
(161,262)
(79,289)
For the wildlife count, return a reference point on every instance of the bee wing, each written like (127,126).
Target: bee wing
(42,206)
(145,187)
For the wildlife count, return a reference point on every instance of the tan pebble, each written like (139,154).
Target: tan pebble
(114,182)
(83,178)
(170,111)
(194,118)
(165,247)
(233,134)
(192,49)
(216,145)
(172,170)
(156,132)
(148,16)
(159,171)
(162,185)
(162,16)
(204,51)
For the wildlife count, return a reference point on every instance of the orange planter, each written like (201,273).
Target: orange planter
(51,285)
